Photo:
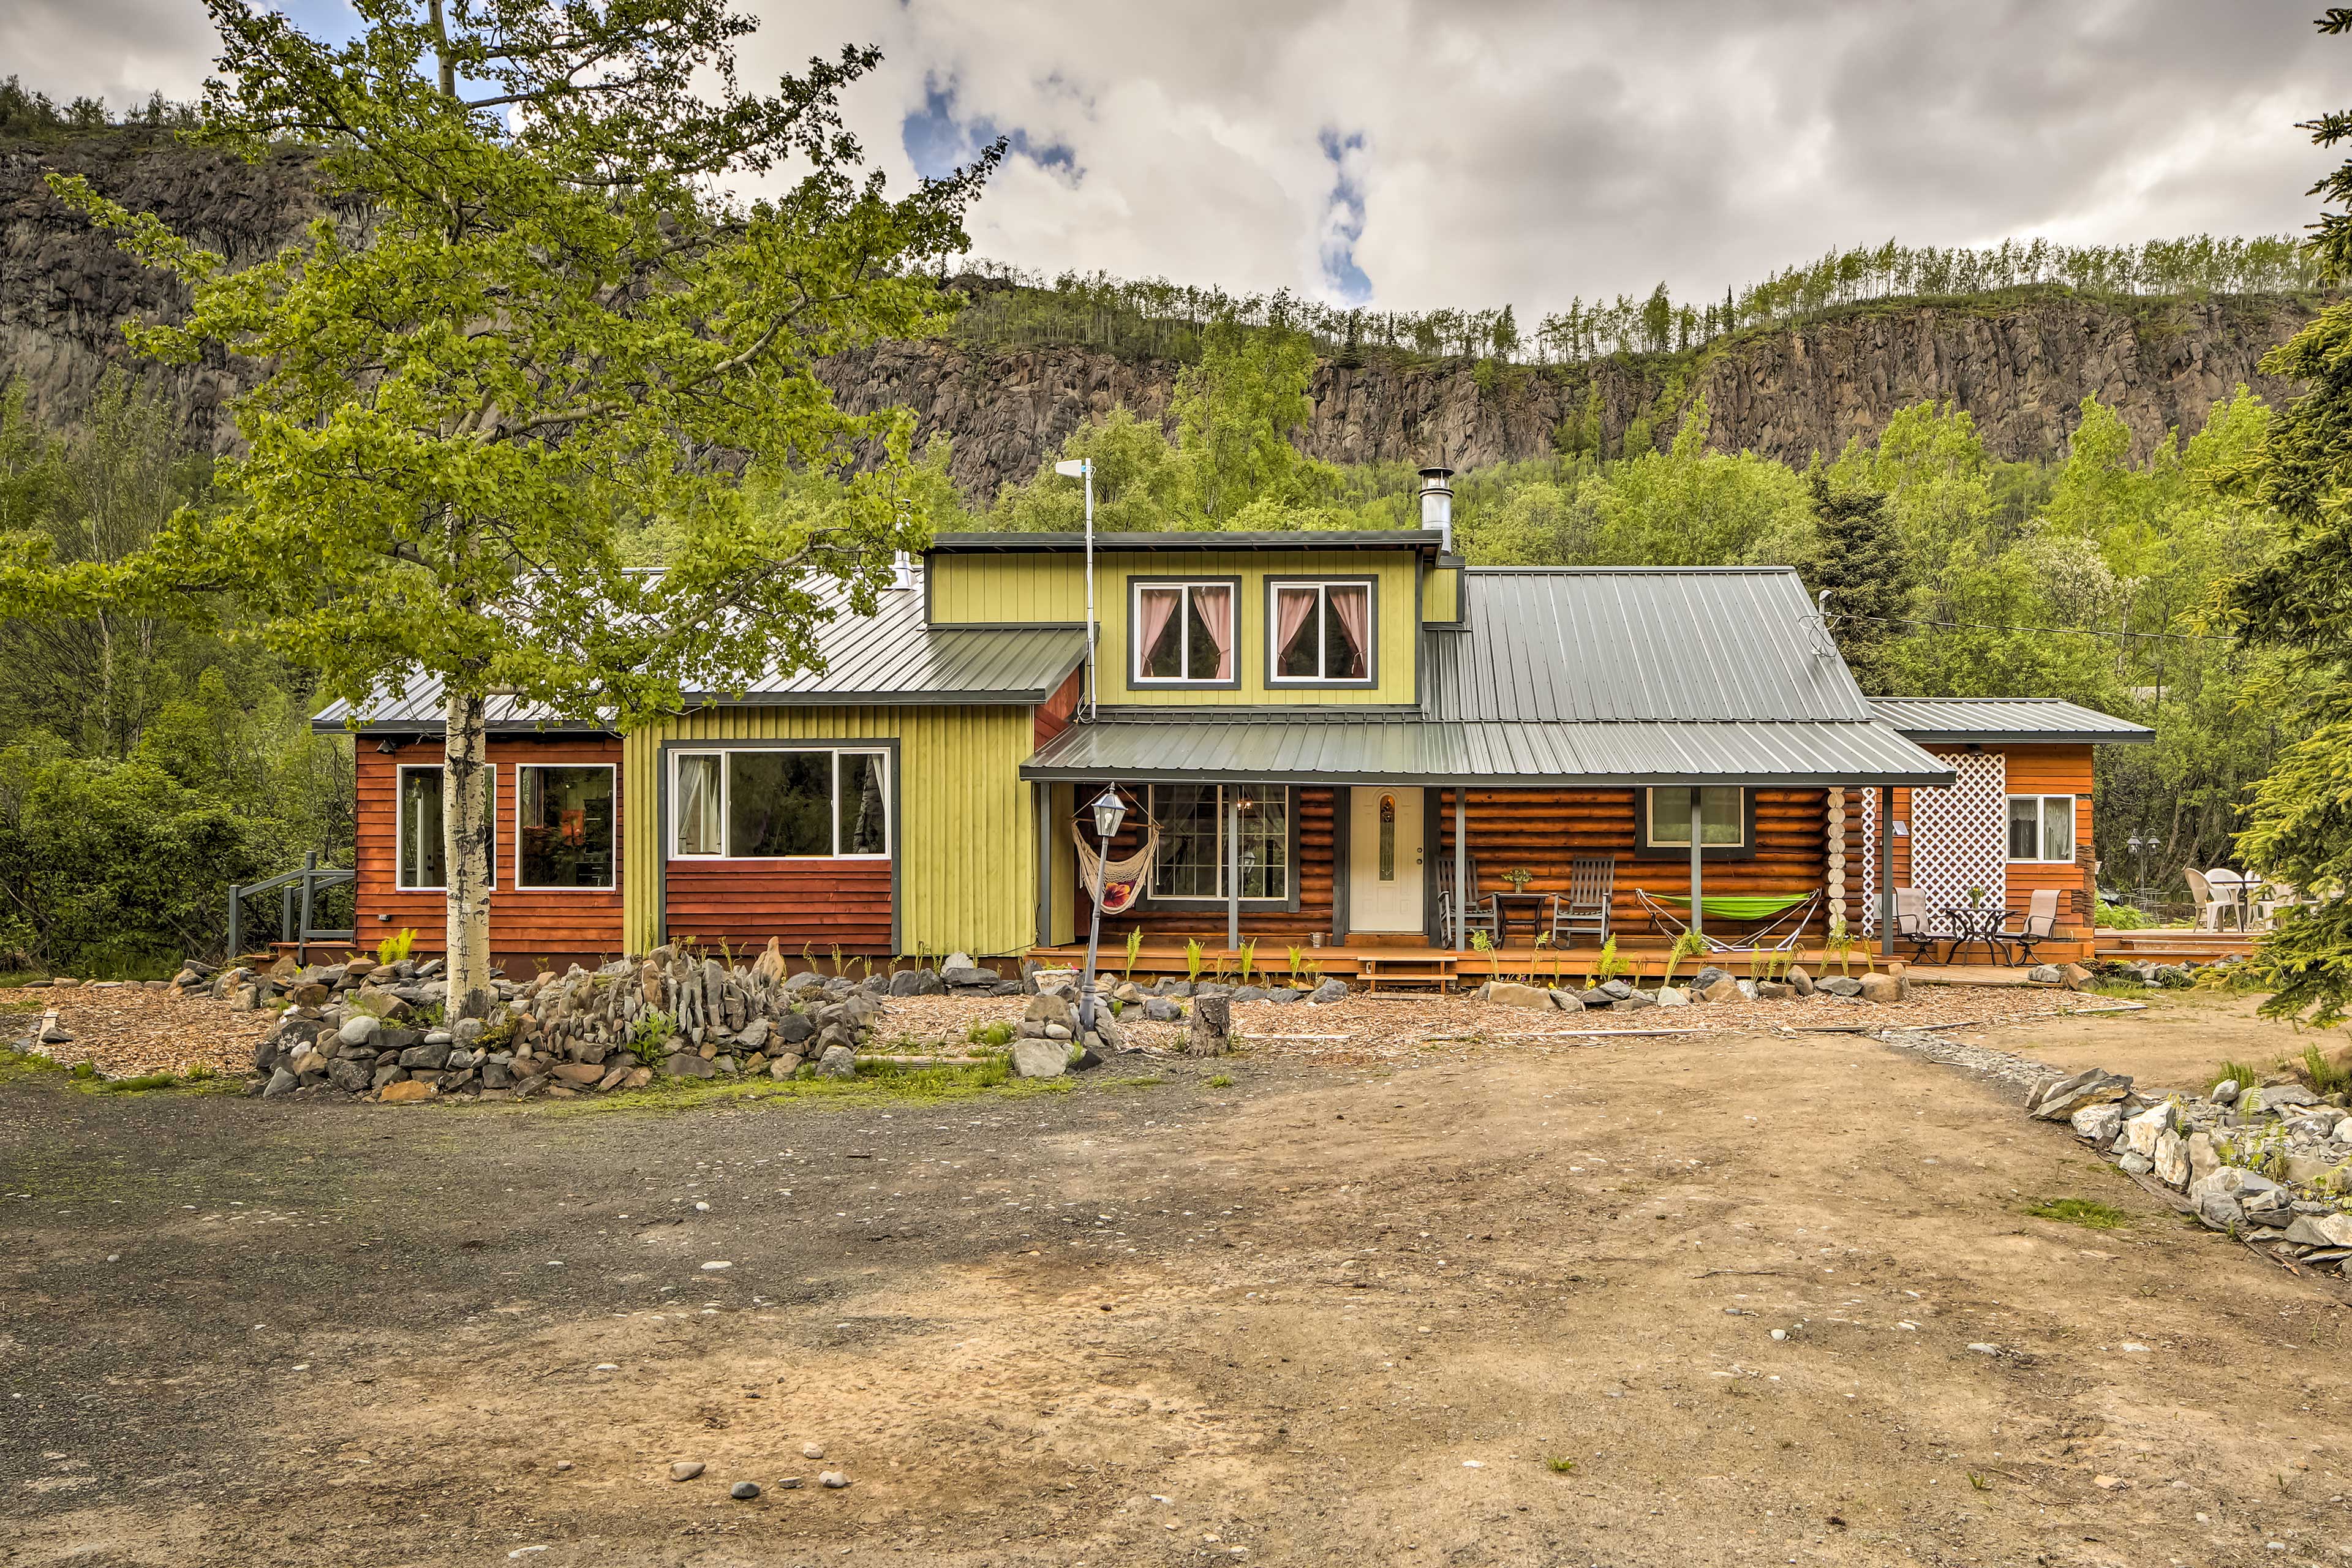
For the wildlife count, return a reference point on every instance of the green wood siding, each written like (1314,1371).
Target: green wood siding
(1441,596)
(988,590)
(965,833)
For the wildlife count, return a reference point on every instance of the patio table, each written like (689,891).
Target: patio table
(1505,901)
(1972,924)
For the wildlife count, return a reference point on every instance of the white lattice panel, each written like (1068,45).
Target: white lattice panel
(1869,862)
(1960,836)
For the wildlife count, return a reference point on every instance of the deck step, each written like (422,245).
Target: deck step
(1400,970)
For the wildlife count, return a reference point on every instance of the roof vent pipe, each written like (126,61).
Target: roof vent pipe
(1437,504)
(902,569)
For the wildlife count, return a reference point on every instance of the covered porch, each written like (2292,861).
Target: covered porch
(1263,853)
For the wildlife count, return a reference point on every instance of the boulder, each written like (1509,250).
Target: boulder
(2098,1125)
(1880,988)
(1040,1058)
(407,1091)
(753,1036)
(1160,1010)
(915,983)
(1633,1003)
(1673,996)
(2224,1092)
(429,1058)
(689,1064)
(2170,1157)
(1616,990)
(1329,992)
(2236,1181)
(2141,1131)
(1249,994)
(1567,1001)
(1838,985)
(280,1082)
(783,1067)
(2220,1211)
(838,1061)
(1510,993)
(2275,1096)
(1707,976)
(2075,977)
(1722,988)
(2091,1087)
(578,1072)
(1774,990)
(359,1031)
(351,1077)
(1800,981)
(2321,1230)
(803,980)
(1210,1030)
(1051,1009)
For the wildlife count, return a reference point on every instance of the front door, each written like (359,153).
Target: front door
(1385,861)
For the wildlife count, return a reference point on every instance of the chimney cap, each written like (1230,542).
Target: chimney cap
(1436,474)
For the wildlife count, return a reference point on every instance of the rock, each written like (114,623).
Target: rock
(2098,1125)
(788,1483)
(1900,973)
(968,978)
(2137,1163)
(1616,990)
(1673,996)
(1881,988)
(743,1491)
(573,1073)
(1034,1058)
(2224,1092)
(2170,1157)
(2321,1230)
(1774,991)
(407,1091)
(360,1030)
(1509,994)
(280,1082)
(832,1480)
(2220,1211)
(1838,985)
(2202,1156)
(838,1061)
(1282,994)
(1800,980)
(2090,1086)
(1160,1010)
(1707,976)
(2045,975)
(2141,1131)
(1209,1032)
(811,1450)
(2236,1181)
(352,1076)
(1052,1010)
(753,1036)
(1173,987)
(1633,1003)
(431,1057)
(1329,992)
(2275,1096)
(1249,994)
(686,1469)
(689,1064)
(1567,1001)
(2310,1170)
(2075,977)
(1722,988)
(803,981)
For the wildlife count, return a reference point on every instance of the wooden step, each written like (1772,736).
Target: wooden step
(1406,970)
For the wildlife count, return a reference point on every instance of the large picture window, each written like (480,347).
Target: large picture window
(1193,822)
(1321,632)
(423,862)
(759,804)
(2041,827)
(563,825)
(1184,632)
(1723,817)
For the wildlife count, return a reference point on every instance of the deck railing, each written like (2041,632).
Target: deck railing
(297,901)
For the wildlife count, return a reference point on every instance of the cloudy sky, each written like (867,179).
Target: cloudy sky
(1472,152)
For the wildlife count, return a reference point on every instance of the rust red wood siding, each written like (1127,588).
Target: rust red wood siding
(819,904)
(567,922)
(1054,713)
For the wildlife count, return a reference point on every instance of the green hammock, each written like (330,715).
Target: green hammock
(1740,906)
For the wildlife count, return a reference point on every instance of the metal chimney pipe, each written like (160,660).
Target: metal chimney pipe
(1437,504)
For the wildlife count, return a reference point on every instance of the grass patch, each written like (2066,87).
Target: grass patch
(1222,1080)
(1560,1465)
(2247,1076)
(876,1083)
(26,1064)
(2326,1077)
(2088,1212)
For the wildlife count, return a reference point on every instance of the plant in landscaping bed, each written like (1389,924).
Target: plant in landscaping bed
(996,1035)
(2246,1076)
(1534,959)
(2122,917)
(1481,943)
(1248,959)
(2326,1077)
(1611,966)
(1690,944)
(1295,953)
(649,1036)
(1193,959)
(1134,946)
(395,948)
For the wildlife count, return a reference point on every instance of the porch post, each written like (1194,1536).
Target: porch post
(1698,918)
(1043,795)
(1886,870)
(1233,871)
(1461,868)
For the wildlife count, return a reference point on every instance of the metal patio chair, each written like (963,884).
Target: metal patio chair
(1913,925)
(2041,922)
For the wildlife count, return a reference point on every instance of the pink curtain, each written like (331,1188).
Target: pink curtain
(1159,606)
(1355,608)
(1292,606)
(1216,607)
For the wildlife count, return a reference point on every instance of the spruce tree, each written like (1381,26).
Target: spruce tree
(1868,573)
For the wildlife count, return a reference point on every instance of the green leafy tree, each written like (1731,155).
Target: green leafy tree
(1236,408)
(547,330)
(1867,573)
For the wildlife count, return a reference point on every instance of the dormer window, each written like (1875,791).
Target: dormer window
(1320,632)
(1184,632)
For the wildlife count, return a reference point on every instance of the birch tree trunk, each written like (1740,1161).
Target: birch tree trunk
(466,841)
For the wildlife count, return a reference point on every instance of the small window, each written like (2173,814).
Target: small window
(1184,632)
(1322,632)
(2041,827)
(563,825)
(747,804)
(1723,817)
(423,864)
(1193,845)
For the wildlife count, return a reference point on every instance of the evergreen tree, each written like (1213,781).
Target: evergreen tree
(1867,573)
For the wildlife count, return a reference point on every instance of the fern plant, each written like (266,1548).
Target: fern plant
(1134,946)
(395,948)
(1690,944)
(1193,959)
(1248,959)
(1611,966)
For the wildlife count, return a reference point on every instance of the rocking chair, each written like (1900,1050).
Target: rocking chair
(1480,912)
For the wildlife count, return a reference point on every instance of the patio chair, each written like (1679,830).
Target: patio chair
(1584,910)
(2275,897)
(1480,912)
(1912,924)
(2210,901)
(2041,922)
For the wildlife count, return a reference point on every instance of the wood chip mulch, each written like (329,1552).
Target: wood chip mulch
(127,1030)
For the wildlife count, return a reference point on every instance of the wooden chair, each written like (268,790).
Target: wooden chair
(2041,922)
(1912,924)
(1481,913)
(1584,910)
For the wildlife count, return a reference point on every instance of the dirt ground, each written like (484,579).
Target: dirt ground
(1511,1306)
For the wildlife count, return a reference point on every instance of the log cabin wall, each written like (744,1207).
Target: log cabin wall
(1544,830)
(1162,922)
(554,925)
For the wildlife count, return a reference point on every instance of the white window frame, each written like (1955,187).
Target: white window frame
(1187,586)
(2041,856)
(400,824)
(727,800)
(1649,821)
(522,887)
(1321,587)
(1225,815)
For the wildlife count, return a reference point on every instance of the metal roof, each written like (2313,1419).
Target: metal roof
(1423,539)
(1642,644)
(1323,748)
(1989,719)
(888,658)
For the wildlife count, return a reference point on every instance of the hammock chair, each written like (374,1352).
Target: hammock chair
(1791,910)
(1114,885)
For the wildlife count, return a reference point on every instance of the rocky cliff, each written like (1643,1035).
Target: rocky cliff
(2021,366)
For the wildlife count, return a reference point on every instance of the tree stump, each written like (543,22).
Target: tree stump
(1210,1033)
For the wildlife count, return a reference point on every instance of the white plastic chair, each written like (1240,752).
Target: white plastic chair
(2232,889)
(2202,893)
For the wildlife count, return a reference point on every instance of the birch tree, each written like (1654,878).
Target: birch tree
(533,323)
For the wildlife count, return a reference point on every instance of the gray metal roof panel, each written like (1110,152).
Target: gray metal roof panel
(888,658)
(1640,644)
(1303,748)
(1987,719)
